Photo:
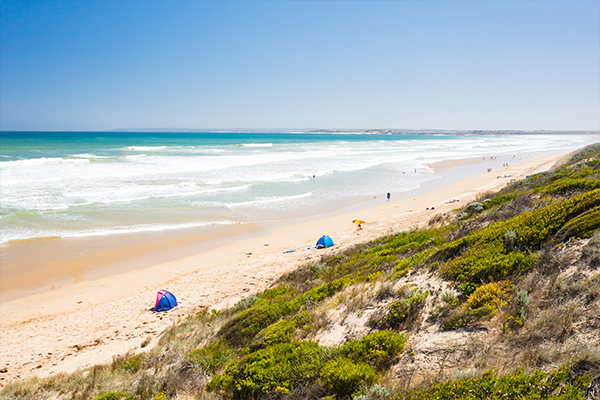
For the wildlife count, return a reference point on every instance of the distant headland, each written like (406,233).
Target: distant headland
(366,131)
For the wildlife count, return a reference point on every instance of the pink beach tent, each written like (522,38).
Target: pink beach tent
(164,301)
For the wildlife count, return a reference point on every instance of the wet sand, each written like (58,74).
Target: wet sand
(37,266)
(89,322)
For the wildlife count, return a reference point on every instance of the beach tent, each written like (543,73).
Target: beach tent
(164,301)
(324,242)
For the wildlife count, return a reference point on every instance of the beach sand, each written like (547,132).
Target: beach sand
(87,323)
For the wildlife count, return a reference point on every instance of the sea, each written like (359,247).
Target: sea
(92,184)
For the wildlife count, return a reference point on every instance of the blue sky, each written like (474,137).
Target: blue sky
(491,65)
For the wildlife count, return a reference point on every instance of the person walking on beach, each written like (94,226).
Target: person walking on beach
(388,196)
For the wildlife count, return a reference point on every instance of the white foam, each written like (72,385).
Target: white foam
(124,230)
(257,144)
(145,148)
(90,156)
(265,200)
(32,162)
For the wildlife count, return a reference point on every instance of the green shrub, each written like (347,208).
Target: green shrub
(343,377)
(458,320)
(521,302)
(403,308)
(405,264)
(212,357)
(492,295)
(474,208)
(375,392)
(115,396)
(483,303)
(318,294)
(583,226)
(569,184)
(242,329)
(246,303)
(496,201)
(279,332)
(450,299)
(271,370)
(482,257)
(517,385)
(385,253)
(132,364)
(510,237)
(375,347)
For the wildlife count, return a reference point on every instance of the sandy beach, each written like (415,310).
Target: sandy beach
(89,322)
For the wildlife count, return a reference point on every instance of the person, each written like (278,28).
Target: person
(388,196)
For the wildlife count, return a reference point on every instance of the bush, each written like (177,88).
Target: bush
(584,226)
(496,201)
(510,237)
(132,364)
(270,370)
(375,347)
(385,253)
(212,357)
(570,184)
(115,396)
(474,208)
(450,299)
(242,329)
(481,257)
(521,302)
(279,332)
(375,392)
(343,377)
(483,303)
(492,295)
(400,310)
(246,303)
(280,367)
(517,385)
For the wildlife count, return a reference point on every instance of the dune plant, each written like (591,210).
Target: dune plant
(278,368)
(212,357)
(482,256)
(405,307)
(344,377)
(538,384)
(271,370)
(115,396)
(375,347)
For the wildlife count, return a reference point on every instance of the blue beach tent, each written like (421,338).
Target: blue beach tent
(164,301)
(324,242)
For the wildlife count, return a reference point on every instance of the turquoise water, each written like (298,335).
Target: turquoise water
(56,184)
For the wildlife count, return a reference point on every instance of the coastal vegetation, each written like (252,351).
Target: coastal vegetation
(502,302)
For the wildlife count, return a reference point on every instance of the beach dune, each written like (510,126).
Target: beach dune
(89,322)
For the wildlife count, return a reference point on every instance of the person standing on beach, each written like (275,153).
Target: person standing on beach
(388,196)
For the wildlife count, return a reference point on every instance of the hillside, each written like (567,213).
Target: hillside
(500,299)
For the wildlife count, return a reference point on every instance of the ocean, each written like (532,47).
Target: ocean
(91,184)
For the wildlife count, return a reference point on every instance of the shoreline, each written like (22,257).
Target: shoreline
(83,324)
(36,266)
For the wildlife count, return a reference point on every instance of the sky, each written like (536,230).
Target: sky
(462,65)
